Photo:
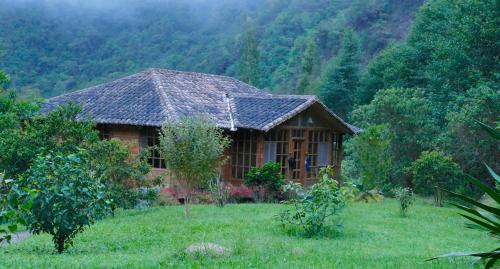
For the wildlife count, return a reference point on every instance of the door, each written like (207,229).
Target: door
(297,155)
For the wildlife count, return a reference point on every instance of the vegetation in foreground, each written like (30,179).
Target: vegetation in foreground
(375,235)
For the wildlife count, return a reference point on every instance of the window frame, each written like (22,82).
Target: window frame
(243,153)
(150,139)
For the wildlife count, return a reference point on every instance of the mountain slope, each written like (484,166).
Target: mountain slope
(56,46)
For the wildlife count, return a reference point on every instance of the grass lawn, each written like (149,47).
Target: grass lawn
(373,236)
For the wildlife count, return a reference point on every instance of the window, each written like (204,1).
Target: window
(104,133)
(269,152)
(276,148)
(318,151)
(150,139)
(244,154)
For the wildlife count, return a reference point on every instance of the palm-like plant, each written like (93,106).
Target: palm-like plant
(483,217)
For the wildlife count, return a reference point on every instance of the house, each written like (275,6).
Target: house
(288,129)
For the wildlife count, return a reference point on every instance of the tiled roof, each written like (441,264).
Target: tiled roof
(153,96)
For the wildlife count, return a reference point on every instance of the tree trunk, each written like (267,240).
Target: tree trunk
(186,204)
(59,243)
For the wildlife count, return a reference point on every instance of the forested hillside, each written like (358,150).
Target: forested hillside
(55,46)
(424,97)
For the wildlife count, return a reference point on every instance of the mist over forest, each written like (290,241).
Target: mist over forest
(55,46)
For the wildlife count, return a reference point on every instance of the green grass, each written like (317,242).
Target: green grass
(373,236)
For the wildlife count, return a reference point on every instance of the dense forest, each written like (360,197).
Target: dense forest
(417,76)
(55,46)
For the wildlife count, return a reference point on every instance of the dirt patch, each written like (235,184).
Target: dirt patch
(207,249)
(16,238)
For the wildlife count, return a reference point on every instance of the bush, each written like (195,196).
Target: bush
(406,198)
(240,194)
(433,172)
(267,178)
(67,200)
(349,191)
(219,191)
(123,175)
(311,209)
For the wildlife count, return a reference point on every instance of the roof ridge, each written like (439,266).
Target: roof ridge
(283,96)
(156,69)
(167,108)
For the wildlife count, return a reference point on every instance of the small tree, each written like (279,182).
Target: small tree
(371,155)
(67,199)
(268,177)
(433,172)
(310,209)
(193,149)
(406,198)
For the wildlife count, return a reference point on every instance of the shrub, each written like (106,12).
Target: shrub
(349,191)
(67,200)
(240,194)
(406,198)
(433,172)
(311,209)
(193,149)
(267,178)
(123,175)
(146,196)
(219,191)
(166,196)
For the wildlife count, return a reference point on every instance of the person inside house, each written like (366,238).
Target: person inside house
(307,163)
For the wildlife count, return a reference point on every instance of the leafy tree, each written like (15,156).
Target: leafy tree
(67,200)
(450,56)
(480,104)
(193,149)
(62,131)
(249,57)
(408,116)
(309,64)
(433,172)
(393,67)
(59,131)
(452,47)
(370,151)
(341,76)
(484,216)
